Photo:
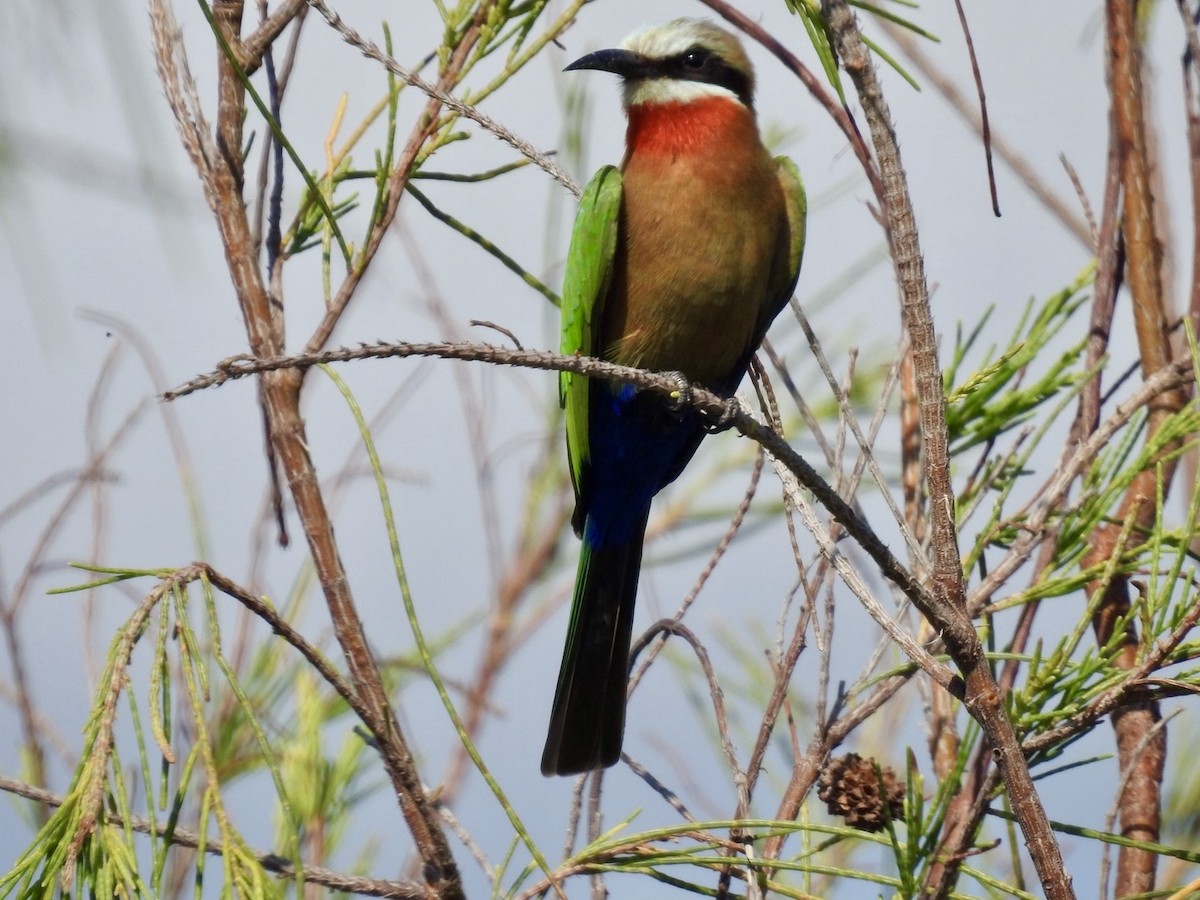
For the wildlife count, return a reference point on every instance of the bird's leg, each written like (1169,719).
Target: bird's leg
(680,398)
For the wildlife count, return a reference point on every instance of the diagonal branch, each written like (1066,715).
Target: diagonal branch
(427,125)
(255,45)
(949,613)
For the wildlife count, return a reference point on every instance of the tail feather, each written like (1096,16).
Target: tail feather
(587,723)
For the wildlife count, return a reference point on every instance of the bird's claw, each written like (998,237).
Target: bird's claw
(724,420)
(680,398)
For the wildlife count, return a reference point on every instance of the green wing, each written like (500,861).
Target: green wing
(589,265)
(797,213)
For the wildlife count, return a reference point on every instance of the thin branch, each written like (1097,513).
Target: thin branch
(718,552)
(256,44)
(985,124)
(372,51)
(1020,165)
(840,115)
(671,626)
(1032,533)
(221,173)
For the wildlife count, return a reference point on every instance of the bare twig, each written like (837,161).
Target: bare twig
(13,603)
(255,45)
(984,123)
(1024,169)
(435,92)
(671,626)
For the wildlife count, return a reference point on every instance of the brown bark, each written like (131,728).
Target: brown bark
(280,394)
(1141,743)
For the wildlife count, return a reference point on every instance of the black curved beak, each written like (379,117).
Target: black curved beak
(620,62)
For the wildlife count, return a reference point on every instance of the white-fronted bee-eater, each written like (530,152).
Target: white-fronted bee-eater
(679,261)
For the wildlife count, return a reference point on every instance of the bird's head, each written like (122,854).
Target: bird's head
(679,62)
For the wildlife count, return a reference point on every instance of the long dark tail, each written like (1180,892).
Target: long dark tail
(588,719)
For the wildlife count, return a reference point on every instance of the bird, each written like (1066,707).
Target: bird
(679,260)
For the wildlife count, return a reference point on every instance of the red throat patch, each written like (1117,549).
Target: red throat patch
(682,128)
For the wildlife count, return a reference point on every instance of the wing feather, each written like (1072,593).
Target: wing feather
(796,202)
(585,283)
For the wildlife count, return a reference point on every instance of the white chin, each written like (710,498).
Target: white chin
(669,90)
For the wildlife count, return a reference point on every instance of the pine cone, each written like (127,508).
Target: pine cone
(850,787)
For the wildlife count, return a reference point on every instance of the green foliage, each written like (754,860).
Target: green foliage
(89,841)
(1002,393)
(809,12)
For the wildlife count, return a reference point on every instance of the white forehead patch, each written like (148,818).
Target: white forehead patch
(671,39)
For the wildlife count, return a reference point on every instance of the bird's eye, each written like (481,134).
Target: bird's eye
(695,59)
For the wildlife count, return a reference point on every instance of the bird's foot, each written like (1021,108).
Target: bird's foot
(724,420)
(680,398)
